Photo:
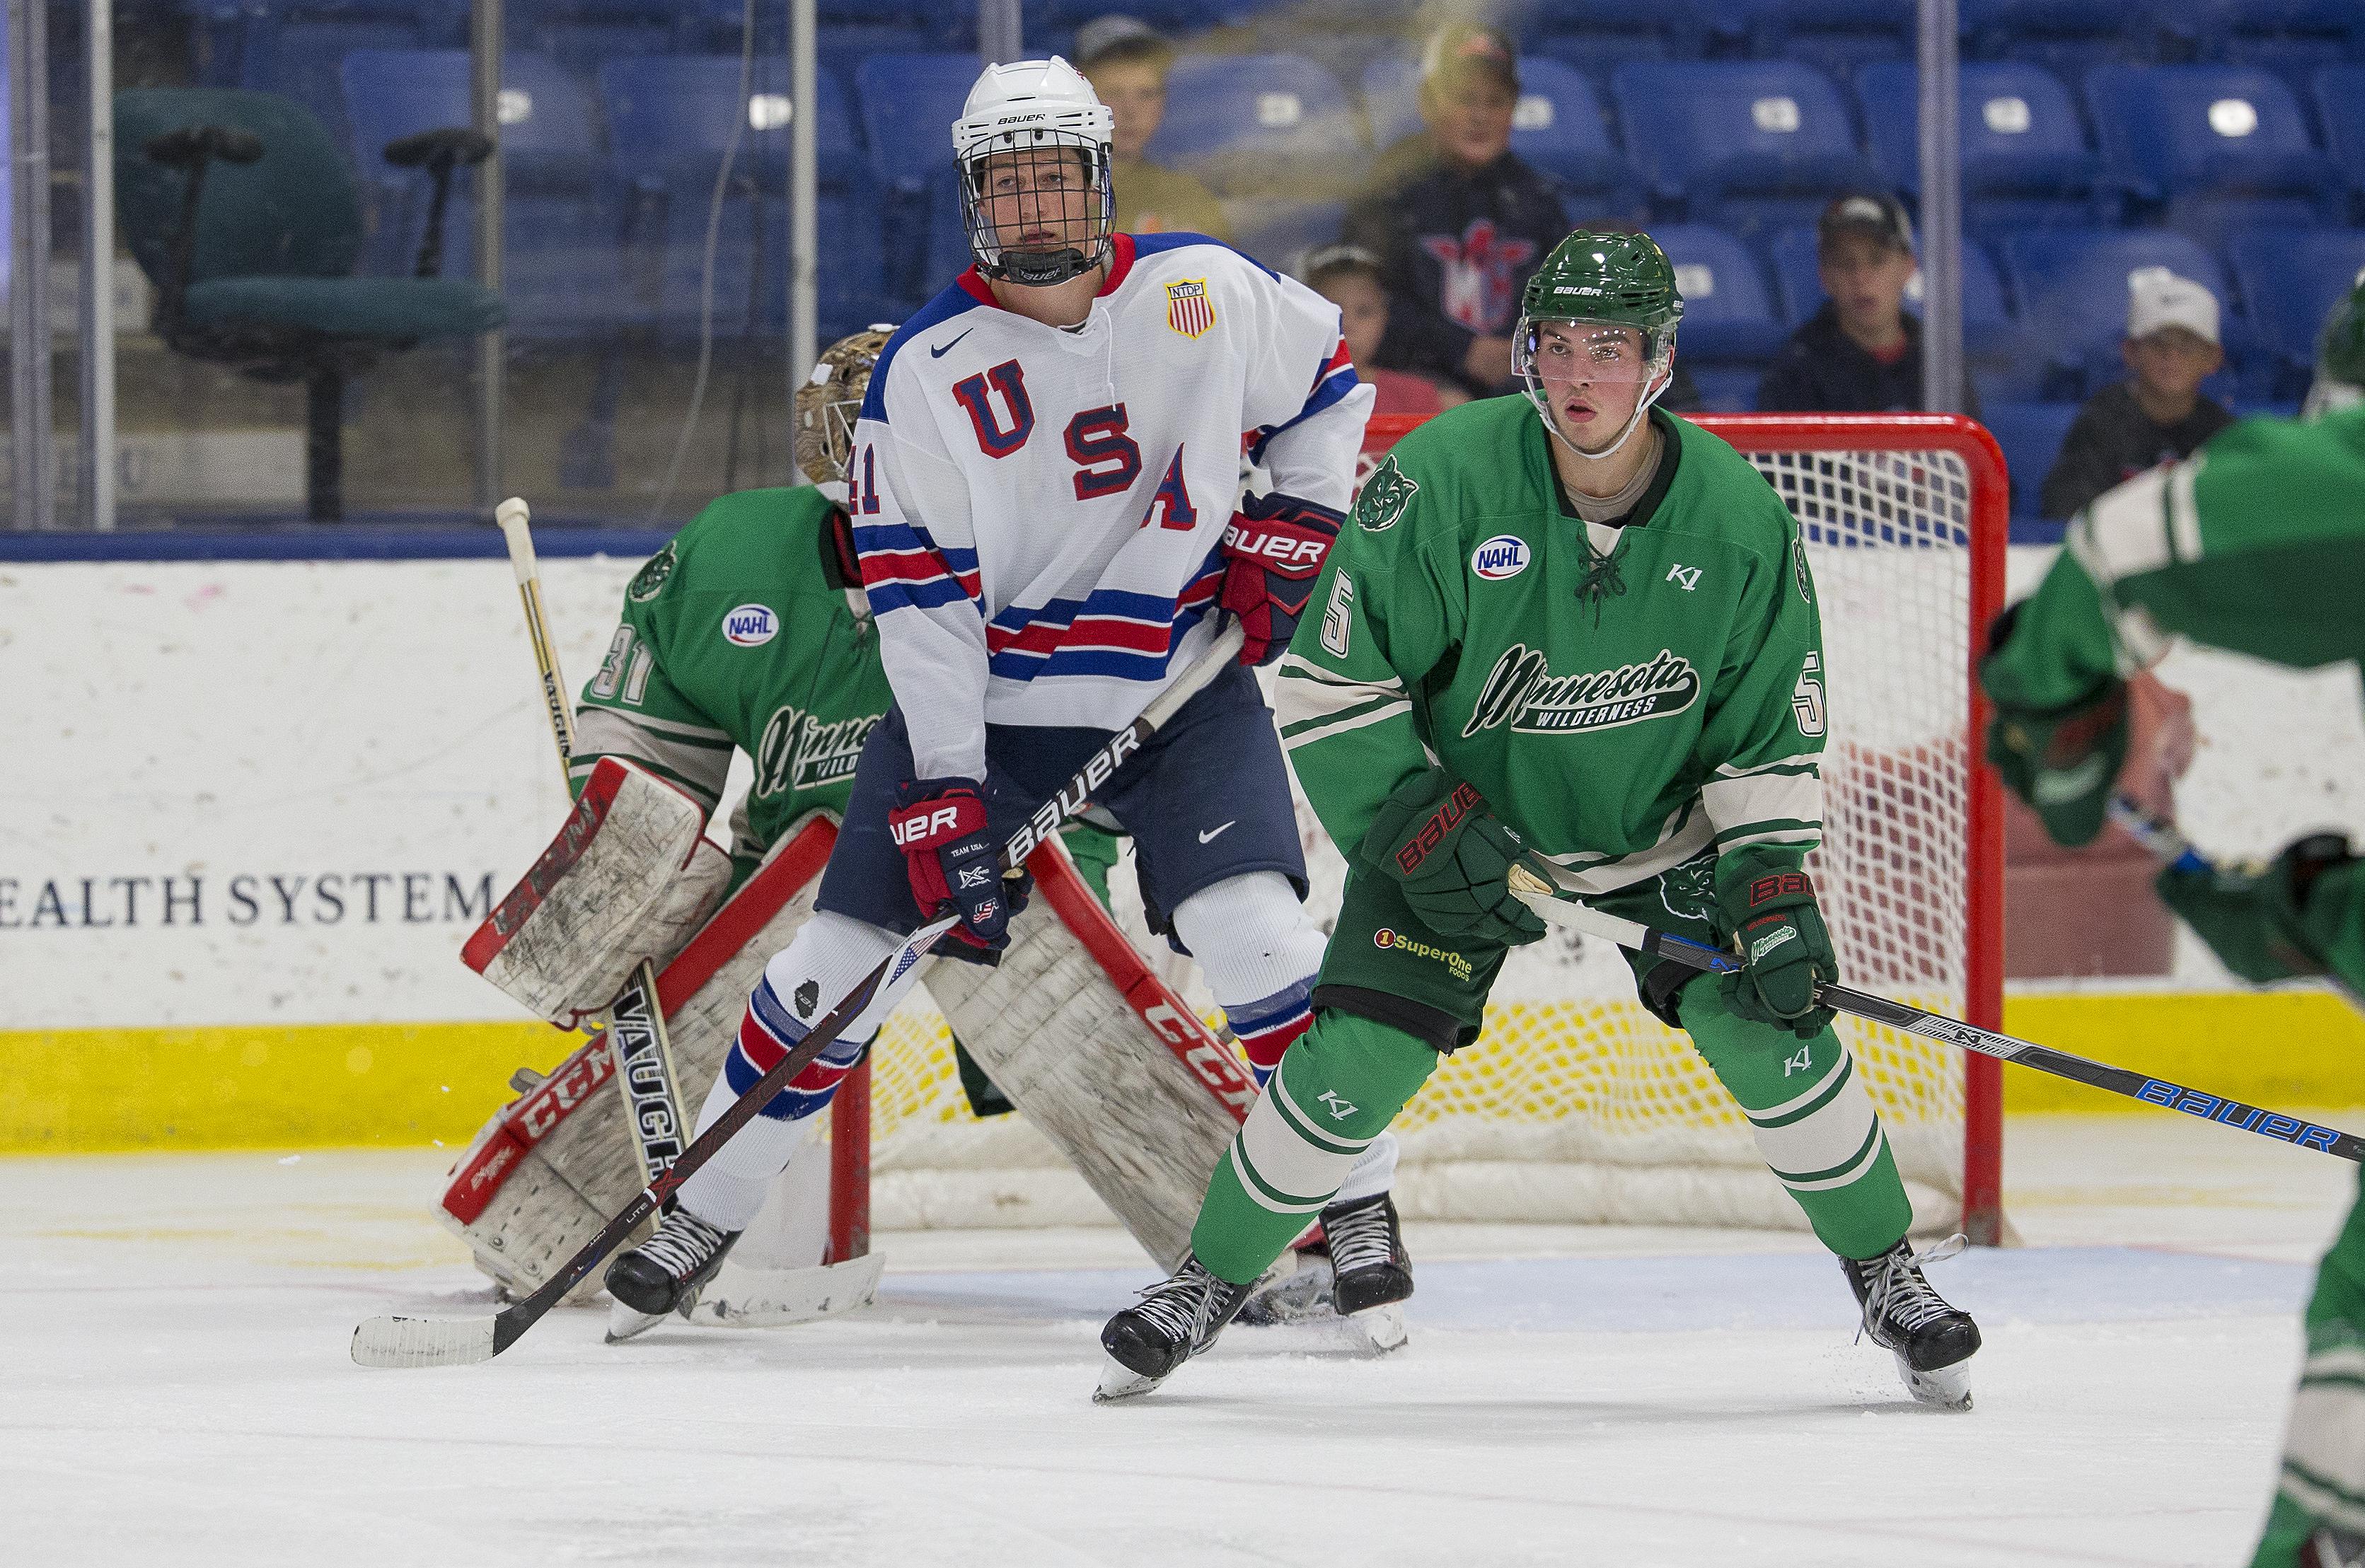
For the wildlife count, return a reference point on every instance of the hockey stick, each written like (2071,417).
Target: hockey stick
(392,1341)
(1539,896)
(636,1030)
(2166,840)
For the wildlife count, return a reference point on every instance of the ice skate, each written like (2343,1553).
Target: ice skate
(1372,1271)
(1296,1289)
(1175,1320)
(663,1274)
(1933,1342)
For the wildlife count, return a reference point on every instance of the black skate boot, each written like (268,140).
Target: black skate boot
(1933,1342)
(1175,1320)
(663,1274)
(1371,1271)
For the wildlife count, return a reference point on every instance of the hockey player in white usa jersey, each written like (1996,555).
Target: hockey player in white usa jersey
(1042,494)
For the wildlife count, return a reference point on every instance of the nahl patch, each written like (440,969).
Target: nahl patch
(750,626)
(1522,692)
(1384,497)
(1505,555)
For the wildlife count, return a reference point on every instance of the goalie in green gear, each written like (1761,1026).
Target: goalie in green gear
(1569,631)
(2255,544)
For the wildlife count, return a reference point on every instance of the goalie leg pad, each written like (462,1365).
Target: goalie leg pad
(629,877)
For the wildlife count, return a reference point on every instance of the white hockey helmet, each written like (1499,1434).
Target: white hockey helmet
(1025,117)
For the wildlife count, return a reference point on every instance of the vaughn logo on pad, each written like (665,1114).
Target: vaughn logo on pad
(1522,692)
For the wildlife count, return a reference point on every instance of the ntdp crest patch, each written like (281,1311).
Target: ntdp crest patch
(1188,309)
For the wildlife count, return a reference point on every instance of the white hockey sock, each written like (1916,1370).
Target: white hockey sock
(729,1189)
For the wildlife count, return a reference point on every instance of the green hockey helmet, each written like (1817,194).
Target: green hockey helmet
(2340,356)
(1603,278)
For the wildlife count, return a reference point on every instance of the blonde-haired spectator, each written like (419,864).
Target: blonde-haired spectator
(1127,62)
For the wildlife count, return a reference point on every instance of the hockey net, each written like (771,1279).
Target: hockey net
(1575,1105)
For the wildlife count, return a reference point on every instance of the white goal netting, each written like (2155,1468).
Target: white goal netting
(1575,1105)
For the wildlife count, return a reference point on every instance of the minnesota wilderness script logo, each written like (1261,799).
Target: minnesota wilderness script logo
(1522,690)
(802,752)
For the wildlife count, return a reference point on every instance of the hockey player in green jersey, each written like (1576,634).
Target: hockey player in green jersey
(2256,544)
(1585,642)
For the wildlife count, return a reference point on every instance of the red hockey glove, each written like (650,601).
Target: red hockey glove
(949,855)
(1274,549)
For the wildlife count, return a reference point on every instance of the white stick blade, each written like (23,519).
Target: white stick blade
(423,1342)
(775,1298)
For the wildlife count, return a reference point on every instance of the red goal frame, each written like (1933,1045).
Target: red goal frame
(1988,520)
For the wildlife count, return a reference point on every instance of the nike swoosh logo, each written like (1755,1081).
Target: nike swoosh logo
(939,353)
(1214,833)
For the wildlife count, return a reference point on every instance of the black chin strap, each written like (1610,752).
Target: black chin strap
(1041,269)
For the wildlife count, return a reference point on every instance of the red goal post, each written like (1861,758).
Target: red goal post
(1905,517)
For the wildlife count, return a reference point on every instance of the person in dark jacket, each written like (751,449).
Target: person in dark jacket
(1458,220)
(2157,415)
(1861,352)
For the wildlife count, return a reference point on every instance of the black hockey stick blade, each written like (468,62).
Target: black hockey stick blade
(448,1342)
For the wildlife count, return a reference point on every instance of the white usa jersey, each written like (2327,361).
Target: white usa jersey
(1040,511)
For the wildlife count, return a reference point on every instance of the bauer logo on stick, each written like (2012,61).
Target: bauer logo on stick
(750,626)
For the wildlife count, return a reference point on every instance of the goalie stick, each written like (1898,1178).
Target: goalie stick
(636,1031)
(395,1341)
(1539,896)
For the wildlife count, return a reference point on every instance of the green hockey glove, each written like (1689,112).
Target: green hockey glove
(2062,760)
(1452,858)
(2273,922)
(1771,911)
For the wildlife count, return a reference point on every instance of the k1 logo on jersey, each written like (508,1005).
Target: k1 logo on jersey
(750,626)
(1505,555)
(1522,692)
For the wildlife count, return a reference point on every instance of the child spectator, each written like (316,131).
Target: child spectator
(1127,62)
(2157,414)
(1457,219)
(1861,352)
(1349,276)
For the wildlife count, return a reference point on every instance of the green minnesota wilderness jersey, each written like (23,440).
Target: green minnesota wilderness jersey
(2254,543)
(1625,717)
(733,634)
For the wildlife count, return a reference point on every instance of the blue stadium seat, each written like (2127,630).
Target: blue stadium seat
(2064,36)
(2289,279)
(1598,36)
(1751,144)
(2030,434)
(852,292)
(563,264)
(1837,36)
(1278,231)
(2341,100)
(2072,289)
(1987,326)
(1725,389)
(2226,145)
(670,118)
(1728,314)
(2025,161)
(1558,125)
(908,104)
(1259,125)
(2293,38)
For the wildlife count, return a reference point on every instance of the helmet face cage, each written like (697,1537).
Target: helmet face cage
(1044,169)
(829,402)
(1658,371)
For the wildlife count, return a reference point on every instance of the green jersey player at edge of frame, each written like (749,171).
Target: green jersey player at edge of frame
(1569,631)
(2255,544)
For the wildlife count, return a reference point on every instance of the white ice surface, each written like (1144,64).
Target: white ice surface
(177,1392)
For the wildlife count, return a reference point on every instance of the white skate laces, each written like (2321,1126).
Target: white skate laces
(1896,1293)
(683,1243)
(1181,1308)
(1359,1238)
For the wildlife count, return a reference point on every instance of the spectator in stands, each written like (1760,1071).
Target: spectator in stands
(2157,414)
(1457,219)
(1349,277)
(1861,352)
(1127,62)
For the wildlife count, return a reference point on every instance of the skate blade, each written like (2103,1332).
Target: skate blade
(1121,1382)
(1292,1297)
(1381,1328)
(624,1324)
(1943,1388)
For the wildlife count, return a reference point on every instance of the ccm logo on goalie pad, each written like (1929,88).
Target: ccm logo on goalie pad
(1443,821)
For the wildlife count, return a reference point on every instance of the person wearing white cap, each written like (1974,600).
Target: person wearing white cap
(2157,414)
